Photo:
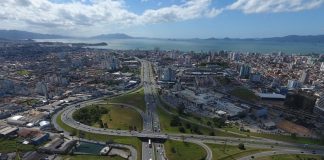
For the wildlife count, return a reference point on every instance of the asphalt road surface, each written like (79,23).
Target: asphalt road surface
(151,127)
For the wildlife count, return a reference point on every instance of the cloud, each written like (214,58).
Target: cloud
(98,16)
(95,13)
(191,9)
(274,6)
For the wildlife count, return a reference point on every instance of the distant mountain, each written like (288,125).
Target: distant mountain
(19,35)
(112,36)
(290,38)
(296,38)
(23,35)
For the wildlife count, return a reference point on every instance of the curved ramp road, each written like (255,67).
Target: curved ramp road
(278,152)
(151,127)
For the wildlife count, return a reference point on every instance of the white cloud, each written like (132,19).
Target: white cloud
(96,13)
(189,10)
(99,16)
(274,6)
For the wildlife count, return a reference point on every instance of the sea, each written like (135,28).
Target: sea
(198,45)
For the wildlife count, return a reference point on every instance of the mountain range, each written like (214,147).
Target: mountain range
(19,35)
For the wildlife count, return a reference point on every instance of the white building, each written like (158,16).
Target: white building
(322,67)
(245,71)
(41,88)
(319,106)
(167,74)
(292,84)
(304,77)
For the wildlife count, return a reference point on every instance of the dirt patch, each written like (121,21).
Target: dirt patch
(294,128)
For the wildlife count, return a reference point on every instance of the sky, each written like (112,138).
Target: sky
(166,18)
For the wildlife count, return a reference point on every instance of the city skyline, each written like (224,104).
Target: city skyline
(166,19)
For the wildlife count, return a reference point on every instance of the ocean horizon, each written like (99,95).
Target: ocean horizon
(197,45)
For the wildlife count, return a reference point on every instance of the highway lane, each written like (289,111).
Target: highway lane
(67,119)
(149,120)
(151,108)
(257,143)
(278,152)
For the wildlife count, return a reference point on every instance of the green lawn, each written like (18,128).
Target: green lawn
(23,72)
(176,150)
(292,157)
(244,94)
(7,145)
(90,157)
(29,102)
(228,152)
(122,118)
(135,98)
(165,119)
(104,138)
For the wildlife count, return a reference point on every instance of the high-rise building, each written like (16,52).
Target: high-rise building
(275,83)
(304,77)
(310,61)
(292,84)
(110,63)
(41,88)
(322,67)
(255,77)
(167,74)
(245,71)
(234,56)
(319,106)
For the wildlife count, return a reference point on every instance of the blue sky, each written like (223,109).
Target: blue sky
(166,18)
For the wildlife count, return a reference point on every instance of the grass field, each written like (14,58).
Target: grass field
(165,119)
(135,98)
(122,118)
(90,157)
(7,145)
(228,152)
(23,72)
(244,94)
(291,157)
(135,142)
(184,151)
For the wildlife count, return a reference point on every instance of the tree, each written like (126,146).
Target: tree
(181,109)
(294,135)
(212,133)
(73,133)
(182,129)
(241,146)
(188,125)
(219,122)
(322,139)
(175,121)
(173,150)
(110,141)
(101,123)
(196,129)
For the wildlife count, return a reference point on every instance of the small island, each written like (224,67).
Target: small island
(89,44)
